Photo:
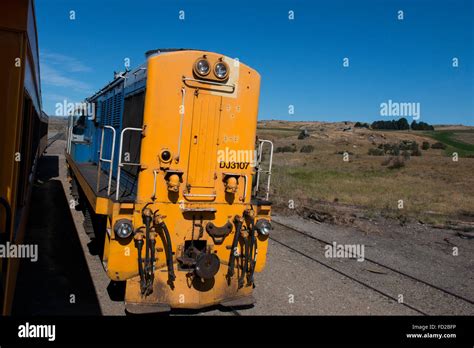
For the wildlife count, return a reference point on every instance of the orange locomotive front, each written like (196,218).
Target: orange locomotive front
(180,178)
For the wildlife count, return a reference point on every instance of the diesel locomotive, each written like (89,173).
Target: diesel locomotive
(167,155)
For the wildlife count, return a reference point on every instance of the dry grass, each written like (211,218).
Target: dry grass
(431,184)
(465,137)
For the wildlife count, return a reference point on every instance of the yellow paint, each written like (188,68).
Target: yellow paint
(216,119)
(18,45)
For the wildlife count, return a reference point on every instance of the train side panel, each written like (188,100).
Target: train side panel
(20,129)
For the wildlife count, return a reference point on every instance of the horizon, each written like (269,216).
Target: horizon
(325,121)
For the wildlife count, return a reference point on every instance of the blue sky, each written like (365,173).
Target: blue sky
(300,60)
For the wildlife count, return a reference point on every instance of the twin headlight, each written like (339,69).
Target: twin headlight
(123,228)
(202,68)
(221,70)
(263,227)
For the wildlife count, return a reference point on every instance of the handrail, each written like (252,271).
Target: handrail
(259,170)
(212,83)
(199,195)
(110,161)
(120,163)
(69,140)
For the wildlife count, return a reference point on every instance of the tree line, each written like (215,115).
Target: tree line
(400,124)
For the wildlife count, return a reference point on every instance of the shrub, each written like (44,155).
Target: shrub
(285,149)
(397,163)
(425,145)
(394,150)
(361,125)
(406,155)
(390,149)
(303,134)
(438,145)
(415,149)
(307,149)
(376,152)
(405,145)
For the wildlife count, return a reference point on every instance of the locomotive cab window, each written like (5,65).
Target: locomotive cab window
(79,128)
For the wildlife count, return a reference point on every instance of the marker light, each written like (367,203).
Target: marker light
(123,228)
(263,227)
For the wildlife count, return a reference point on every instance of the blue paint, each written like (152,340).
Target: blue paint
(109,106)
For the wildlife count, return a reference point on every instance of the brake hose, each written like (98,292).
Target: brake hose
(251,236)
(254,261)
(233,251)
(147,220)
(246,255)
(140,266)
(152,261)
(169,256)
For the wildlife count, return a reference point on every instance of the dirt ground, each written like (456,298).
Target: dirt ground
(441,258)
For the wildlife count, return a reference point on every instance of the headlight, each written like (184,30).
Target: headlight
(123,228)
(202,67)
(263,227)
(221,70)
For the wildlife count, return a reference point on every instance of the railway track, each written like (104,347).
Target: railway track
(419,290)
(53,139)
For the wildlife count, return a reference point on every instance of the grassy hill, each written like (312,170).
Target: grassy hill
(432,186)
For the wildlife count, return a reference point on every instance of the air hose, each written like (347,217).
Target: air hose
(251,237)
(246,257)
(233,252)
(252,253)
(169,254)
(147,219)
(152,255)
(139,243)
(254,261)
